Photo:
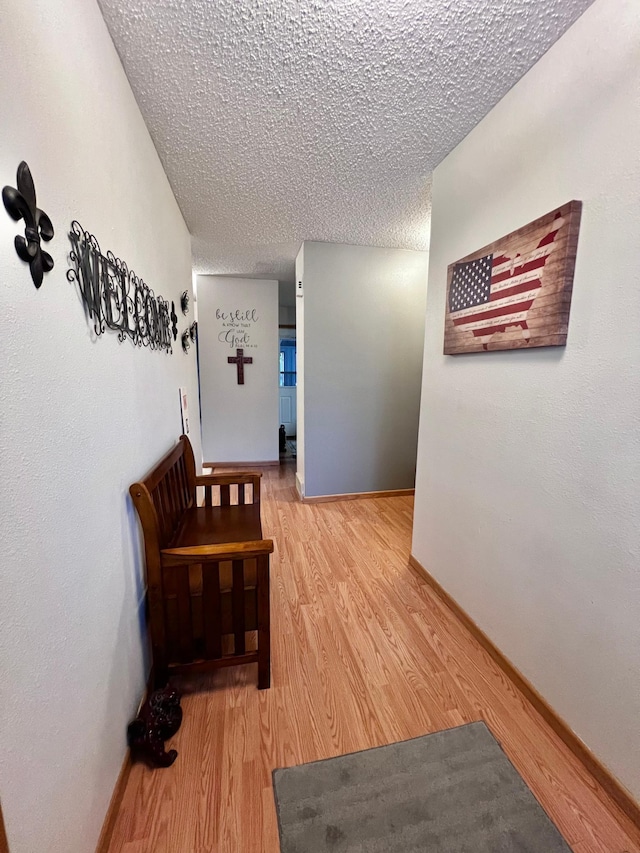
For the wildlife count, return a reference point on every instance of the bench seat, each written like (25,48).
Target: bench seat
(215,525)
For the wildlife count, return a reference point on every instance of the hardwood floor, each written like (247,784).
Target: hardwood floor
(364,654)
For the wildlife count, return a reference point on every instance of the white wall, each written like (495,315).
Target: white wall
(300,366)
(528,479)
(363,329)
(239,422)
(81,420)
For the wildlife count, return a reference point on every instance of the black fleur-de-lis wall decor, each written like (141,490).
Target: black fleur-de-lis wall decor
(174,321)
(20,204)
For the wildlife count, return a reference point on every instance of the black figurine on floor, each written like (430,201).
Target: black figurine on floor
(283,439)
(158,720)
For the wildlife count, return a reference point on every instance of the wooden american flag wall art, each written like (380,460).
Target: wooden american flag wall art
(516,292)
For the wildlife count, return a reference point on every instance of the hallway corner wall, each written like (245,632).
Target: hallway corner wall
(360,338)
(82,418)
(239,421)
(528,480)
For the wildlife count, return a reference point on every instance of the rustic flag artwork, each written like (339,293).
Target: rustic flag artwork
(516,292)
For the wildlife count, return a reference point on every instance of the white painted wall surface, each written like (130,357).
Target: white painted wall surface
(362,361)
(528,480)
(300,367)
(81,420)
(239,422)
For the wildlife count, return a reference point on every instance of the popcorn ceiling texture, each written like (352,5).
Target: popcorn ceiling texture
(284,120)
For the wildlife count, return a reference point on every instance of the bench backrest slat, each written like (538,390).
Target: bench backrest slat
(166,492)
(160,470)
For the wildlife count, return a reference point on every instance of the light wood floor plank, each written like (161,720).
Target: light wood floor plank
(364,653)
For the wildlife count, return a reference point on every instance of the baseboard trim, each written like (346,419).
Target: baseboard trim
(354,496)
(269,463)
(618,793)
(121,782)
(114,806)
(4,844)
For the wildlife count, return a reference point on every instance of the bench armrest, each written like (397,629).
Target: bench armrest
(216,553)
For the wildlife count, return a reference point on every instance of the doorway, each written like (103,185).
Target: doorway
(288,383)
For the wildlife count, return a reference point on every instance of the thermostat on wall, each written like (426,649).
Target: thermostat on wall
(299,288)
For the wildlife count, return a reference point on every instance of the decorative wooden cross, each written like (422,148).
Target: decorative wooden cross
(239,360)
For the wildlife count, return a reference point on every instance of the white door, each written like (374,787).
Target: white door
(288,409)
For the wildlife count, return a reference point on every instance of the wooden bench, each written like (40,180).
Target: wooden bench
(207,567)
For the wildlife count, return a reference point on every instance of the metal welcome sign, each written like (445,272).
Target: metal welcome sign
(116,298)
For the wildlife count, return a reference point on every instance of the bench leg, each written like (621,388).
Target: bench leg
(264,624)
(264,667)
(159,667)
(160,676)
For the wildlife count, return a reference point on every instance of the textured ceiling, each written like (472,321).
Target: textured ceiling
(284,120)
